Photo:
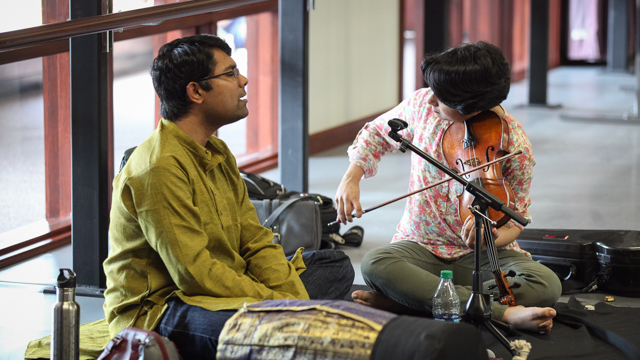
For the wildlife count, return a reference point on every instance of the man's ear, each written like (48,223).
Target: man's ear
(194,92)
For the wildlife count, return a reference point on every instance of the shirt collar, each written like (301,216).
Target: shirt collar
(214,152)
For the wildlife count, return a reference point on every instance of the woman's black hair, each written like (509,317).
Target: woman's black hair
(180,62)
(469,78)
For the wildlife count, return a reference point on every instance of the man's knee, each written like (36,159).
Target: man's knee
(336,260)
(329,274)
(342,264)
(193,329)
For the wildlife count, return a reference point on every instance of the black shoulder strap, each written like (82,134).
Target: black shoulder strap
(272,218)
(603,334)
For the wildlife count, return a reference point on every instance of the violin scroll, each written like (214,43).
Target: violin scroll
(506,295)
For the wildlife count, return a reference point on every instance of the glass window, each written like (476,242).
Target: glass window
(126,5)
(21,14)
(22,189)
(133,95)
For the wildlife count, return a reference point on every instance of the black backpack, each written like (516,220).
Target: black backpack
(260,188)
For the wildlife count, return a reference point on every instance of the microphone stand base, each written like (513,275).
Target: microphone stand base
(478,313)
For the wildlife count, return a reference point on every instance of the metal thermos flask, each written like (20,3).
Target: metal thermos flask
(65,329)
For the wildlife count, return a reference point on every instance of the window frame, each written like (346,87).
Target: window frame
(34,239)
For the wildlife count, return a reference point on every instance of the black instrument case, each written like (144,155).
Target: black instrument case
(588,260)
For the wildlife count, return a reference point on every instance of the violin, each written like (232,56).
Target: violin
(470,144)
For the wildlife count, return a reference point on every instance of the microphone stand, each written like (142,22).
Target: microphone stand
(478,311)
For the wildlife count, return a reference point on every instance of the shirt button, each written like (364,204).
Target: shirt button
(206,152)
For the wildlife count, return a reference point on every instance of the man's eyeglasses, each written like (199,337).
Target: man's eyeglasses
(235,73)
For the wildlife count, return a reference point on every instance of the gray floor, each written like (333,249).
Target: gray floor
(587,177)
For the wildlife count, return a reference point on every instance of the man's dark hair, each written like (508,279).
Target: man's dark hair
(469,78)
(180,62)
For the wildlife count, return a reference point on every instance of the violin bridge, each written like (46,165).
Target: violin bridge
(472,162)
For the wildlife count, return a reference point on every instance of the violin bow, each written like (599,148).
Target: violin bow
(508,156)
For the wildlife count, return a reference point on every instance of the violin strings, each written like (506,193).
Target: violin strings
(491,246)
(488,234)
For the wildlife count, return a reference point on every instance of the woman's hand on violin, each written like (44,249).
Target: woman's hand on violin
(502,236)
(347,197)
(468,233)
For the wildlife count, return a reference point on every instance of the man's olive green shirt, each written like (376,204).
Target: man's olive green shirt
(182,225)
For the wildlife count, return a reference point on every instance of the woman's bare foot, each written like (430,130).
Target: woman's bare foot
(381,301)
(373,299)
(530,318)
(524,318)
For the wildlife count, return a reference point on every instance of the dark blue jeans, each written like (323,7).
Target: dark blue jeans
(195,330)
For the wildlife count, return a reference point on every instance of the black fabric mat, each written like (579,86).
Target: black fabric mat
(570,339)
(417,338)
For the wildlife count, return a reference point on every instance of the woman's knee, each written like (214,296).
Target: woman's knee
(371,260)
(553,288)
(545,286)
(381,264)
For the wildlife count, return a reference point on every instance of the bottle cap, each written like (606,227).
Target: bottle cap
(446,274)
(65,281)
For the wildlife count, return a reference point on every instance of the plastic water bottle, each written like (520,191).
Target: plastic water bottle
(446,303)
(65,329)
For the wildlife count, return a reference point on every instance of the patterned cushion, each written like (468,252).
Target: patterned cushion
(302,329)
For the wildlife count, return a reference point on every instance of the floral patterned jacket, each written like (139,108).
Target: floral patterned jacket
(431,217)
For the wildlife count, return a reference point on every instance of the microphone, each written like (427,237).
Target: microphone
(397,124)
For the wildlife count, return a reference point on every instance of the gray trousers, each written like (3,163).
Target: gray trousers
(409,274)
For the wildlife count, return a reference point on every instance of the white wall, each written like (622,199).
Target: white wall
(354,61)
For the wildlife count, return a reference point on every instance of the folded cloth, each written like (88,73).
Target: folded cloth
(94,336)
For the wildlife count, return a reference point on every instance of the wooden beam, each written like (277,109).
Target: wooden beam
(101,23)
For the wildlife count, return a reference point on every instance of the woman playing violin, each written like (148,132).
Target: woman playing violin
(463,82)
